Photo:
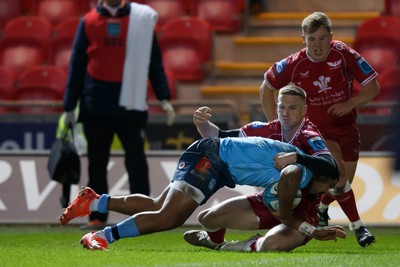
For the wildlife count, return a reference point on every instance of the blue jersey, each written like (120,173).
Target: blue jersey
(251,160)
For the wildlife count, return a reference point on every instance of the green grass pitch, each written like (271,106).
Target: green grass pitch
(43,245)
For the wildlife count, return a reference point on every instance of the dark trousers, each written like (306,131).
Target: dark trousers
(99,133)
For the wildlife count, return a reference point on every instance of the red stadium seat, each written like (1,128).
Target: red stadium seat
(58,10)
(392,8)
(64,35)
(41,83)
(389,81)
(25,43)
(9,10)
(378,41)
(186,46)
(7,86)
(223,15)
(168,9)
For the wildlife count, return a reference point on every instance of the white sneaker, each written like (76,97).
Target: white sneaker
(240,245)
(200,238)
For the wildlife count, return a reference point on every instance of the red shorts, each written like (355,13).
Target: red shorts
(348,140)
(306,210)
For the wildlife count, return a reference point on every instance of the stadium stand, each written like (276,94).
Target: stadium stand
(168,9)
(9,10)
(41,84)
(392,8)
(25,42)
(378,41)
(64,34)
(56,11)
(223,15)
(186,44)
(7,87)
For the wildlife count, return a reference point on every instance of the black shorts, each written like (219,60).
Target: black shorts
(200,171)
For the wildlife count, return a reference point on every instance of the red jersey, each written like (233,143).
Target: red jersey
(307,136)
(106,45)
(326,83)
(311,142)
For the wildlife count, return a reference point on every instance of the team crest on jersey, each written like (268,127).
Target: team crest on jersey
(339,45)
(280,66)
(364,66)
(322,83)
(113,29)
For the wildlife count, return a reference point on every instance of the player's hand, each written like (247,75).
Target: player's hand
(201,116)
(282,159)
(341,109)
(329,233)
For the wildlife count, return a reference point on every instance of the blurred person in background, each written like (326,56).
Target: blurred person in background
(115,52)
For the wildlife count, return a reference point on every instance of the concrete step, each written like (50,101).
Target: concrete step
(234,68)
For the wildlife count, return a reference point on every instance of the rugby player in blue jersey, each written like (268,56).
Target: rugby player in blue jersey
(206,166)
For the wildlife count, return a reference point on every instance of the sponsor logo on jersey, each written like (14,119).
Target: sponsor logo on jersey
(322,83)
(335,65)
(257,124)
(317,143)
(181,165)
(280,66)
(364,66)
(305,74)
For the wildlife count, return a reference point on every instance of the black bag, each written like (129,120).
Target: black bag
(64,164)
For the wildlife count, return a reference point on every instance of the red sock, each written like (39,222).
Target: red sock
(253,246)
(347,202)
(327,199)
(217,236)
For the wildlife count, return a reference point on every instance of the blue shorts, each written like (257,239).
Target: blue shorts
(200,171)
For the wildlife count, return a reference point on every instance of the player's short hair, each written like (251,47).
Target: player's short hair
(292,89)
(314,21)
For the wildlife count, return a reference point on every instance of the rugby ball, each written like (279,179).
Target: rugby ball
(270,197)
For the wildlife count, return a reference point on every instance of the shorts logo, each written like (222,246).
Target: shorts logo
(203,165)
(181,165)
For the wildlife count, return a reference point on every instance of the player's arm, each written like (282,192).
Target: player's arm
(201,119)
(321,165)
(367,93)
(287,189)
(208,129)
(268,101)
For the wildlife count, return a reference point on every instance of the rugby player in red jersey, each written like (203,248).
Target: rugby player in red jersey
(325,69)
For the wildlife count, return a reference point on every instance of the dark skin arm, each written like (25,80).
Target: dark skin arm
(289,183)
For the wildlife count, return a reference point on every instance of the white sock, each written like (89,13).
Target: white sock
(323,207)
(355,225)
(259,243)
(94,205)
